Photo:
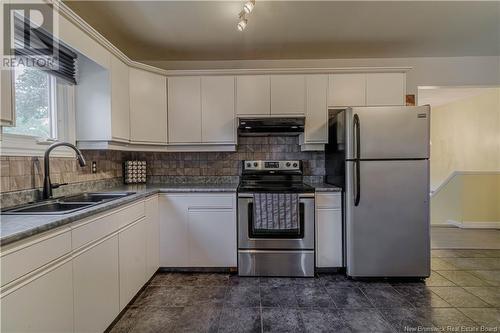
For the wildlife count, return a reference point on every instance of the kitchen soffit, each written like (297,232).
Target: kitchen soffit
(205,30)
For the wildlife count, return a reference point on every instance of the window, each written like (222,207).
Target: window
(44,113)
(34,103)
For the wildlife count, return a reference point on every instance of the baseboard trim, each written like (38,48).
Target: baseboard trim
(474,224)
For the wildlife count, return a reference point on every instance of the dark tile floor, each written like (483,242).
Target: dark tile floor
(462,294)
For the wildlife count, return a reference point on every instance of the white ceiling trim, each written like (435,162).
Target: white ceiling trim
(68,13)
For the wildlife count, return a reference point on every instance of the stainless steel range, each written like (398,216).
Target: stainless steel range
(275,220)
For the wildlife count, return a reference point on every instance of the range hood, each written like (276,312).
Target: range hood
(270,126)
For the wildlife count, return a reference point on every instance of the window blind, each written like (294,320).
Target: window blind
(43,49)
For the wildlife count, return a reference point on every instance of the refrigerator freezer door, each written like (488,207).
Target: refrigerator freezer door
(389,132)
(387,233)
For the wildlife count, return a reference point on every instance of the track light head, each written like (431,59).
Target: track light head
(248,6)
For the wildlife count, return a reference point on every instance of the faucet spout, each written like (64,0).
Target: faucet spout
(47,184)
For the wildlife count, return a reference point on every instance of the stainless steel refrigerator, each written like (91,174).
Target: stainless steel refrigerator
(380,157)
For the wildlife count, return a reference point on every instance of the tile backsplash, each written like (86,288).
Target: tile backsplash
(19,174)
(228,163)
(22,173)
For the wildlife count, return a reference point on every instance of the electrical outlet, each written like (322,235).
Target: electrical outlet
(94,166)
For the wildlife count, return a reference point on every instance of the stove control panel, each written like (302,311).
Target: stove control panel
(271,165)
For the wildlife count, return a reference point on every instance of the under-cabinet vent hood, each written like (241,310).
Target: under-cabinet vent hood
(270,126)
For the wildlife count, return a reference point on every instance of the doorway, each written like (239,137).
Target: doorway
(465,166)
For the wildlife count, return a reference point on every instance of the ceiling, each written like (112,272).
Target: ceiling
(442,96)
(206,30)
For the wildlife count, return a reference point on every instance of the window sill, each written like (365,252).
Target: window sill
(23,145)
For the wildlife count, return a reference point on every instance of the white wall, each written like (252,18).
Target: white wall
(465,136)
(432,71)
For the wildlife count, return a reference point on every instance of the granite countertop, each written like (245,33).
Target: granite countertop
(324,187)
(17,227)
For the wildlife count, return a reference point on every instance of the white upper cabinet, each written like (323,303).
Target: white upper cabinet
(148,107)
(120,110)
(367,89)
(253,95)
(217,109)
(7,117)
(288,95)
(316,129)
(347,90)
(385,89)
(184,109)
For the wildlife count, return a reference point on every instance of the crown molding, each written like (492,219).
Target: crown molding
(69,14)
(257,71)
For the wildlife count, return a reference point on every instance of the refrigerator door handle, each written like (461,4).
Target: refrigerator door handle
(357,136)
(357,172)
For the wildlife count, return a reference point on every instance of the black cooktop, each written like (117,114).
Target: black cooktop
(273,177)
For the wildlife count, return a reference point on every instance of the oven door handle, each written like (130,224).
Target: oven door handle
(250,195)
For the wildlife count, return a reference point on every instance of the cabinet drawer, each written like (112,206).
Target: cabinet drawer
(211,201)
(97,228)
(18,262)
(330,201)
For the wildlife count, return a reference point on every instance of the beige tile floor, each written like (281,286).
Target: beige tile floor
(456,238)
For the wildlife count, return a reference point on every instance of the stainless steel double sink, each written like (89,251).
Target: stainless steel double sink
(66,205)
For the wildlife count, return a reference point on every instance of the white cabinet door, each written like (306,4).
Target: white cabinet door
(120,109)
(132,254)
(152,236)
(148,107)
(197,230)
(7,116)
(43,305)
(288,94)
(96,287)
(184,110)
(174,248)
(212,237)
(217,109)
(347,90)
(328,238)
(316,129)
(385,89)
(253,95)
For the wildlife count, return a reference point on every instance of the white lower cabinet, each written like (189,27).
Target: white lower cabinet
(212,237)
(329,230)
(198,230)
(132,254)
(96,286)
(152,236)
(79,278)
(42,305)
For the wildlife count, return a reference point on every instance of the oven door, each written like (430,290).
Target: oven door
(302,238)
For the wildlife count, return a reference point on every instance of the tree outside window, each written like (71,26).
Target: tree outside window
(33,105)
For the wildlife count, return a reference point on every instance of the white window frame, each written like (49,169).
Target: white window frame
(25,145)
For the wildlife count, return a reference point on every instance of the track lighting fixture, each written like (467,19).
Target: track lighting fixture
(247,9)
(242,23)
(248,6)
